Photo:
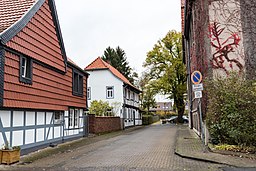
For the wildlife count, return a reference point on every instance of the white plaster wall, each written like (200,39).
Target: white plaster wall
(30,118)
(39,135)
(1,140)
(50,133)
(99,80)
(29,136)
(57,133)
(48,117)
(18,118)
(40,118)
(6,118)
(17,137)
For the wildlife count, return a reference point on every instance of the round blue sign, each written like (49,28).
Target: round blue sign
(196,77)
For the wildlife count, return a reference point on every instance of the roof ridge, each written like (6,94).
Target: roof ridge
(92,63)
(104,62)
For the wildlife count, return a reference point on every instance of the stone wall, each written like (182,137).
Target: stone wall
(99,124)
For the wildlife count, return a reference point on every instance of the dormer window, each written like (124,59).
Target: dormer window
(25,70)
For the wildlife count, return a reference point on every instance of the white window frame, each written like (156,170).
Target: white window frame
(73,121)
(110,92)
(89,93)
(23,72)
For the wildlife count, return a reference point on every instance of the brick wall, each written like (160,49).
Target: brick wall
(103,124)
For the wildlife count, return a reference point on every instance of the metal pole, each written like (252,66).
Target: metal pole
(201,121)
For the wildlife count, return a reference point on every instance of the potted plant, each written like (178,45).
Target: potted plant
(9,155)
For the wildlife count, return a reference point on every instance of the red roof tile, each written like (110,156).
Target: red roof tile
(12,10)
(75,65)
(101,64)
(70,60)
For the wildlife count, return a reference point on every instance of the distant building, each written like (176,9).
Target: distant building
(163,107)
(107,84)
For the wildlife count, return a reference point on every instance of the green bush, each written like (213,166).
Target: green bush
(145,119)
(100,108)
(231,110)
(149,119)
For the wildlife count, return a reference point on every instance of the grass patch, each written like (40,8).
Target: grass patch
(235,148)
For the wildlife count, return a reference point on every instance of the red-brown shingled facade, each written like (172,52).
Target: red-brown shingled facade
(50,90)
(39,40)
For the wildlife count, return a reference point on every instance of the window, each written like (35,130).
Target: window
(77,83)
(25,70)
(73,118)
(89,93)
(129,94)
(110,92)
(58,117)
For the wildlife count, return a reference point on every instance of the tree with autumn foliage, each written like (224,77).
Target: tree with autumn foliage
(147,97)
(167,69)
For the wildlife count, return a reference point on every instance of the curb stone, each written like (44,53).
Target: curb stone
(188,145)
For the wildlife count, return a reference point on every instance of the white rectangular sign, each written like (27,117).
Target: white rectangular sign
(198,94)
(197,87)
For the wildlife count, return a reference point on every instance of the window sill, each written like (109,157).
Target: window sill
(26,80)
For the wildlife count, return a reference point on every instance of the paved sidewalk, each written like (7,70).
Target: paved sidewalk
(188,145)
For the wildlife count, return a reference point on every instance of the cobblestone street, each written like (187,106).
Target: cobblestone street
(150,148)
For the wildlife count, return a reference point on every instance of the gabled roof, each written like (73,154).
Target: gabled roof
(72,63)
(16,14)
(99,64)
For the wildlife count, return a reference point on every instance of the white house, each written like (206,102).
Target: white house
(107,84)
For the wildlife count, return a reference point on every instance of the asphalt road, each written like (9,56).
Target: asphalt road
(147,149)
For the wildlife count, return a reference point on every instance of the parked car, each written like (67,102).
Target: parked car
(174,119)
(163,121)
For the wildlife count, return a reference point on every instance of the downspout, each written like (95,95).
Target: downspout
(189,86)
(187,23)
(124,98)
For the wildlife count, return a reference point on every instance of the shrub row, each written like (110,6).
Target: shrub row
(149,119)
(231,110)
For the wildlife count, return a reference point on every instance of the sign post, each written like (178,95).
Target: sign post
(197,87)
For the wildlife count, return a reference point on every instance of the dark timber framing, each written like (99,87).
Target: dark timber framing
(58,30)
(2,61)
(47,127)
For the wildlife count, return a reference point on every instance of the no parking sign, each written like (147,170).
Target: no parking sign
(196,77)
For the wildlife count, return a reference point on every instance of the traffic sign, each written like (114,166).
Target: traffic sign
(198,94)
(196,77)
(197,87)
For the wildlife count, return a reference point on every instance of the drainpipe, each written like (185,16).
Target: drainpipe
(189,84)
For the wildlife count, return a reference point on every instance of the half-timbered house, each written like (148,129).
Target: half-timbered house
(42,93)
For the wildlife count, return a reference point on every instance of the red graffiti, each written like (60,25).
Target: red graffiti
(223,48)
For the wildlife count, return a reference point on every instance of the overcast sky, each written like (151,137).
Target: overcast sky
(90,26)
